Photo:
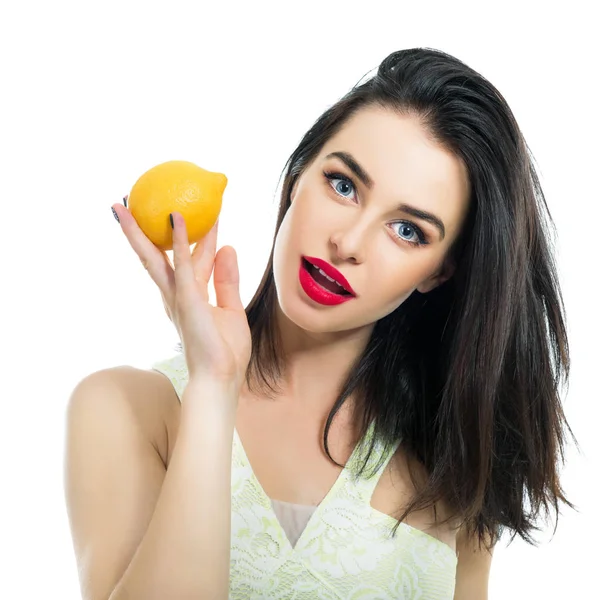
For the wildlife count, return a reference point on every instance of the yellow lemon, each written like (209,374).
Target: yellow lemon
(180,186)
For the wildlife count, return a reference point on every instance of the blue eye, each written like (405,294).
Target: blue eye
(347,182)
(416,232)
(339,177)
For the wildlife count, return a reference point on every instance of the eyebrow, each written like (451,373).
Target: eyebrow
(359,171)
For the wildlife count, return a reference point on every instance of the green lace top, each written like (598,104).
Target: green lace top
(346,551)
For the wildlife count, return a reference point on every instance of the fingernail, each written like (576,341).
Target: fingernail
(115,213)
(125,201)
(171,219)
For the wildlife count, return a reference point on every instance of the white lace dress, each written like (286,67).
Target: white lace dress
(341,549)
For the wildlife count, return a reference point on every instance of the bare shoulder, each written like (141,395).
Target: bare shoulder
(148,396)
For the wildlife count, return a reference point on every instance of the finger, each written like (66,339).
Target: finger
(203,256)
(165,256)
(227,279)
(154,260)
(186,285)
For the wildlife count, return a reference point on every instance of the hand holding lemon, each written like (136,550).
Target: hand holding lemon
(216,339)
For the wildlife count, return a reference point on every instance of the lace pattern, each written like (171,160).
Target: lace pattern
(346,550)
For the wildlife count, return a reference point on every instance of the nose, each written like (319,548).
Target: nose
(350,243)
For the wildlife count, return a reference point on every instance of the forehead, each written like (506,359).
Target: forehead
(404,163)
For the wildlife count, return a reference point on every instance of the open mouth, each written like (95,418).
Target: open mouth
(323,280)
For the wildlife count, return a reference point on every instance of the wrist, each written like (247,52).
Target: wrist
(208,394)
(215,384)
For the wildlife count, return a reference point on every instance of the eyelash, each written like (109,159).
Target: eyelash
(331,175)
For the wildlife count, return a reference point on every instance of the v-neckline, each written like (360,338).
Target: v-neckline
(318,508)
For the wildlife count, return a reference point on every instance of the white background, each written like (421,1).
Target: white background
(94,94)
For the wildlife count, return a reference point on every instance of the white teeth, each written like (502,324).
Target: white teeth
(330,279)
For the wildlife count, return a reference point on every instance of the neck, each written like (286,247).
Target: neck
(316,365)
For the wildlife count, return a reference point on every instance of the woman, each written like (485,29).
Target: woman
(370,441)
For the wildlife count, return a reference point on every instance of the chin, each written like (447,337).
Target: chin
(319,319)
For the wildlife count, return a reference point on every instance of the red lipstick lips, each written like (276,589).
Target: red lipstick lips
(316,290)
(331,271)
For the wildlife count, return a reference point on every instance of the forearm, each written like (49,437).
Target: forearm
(184,553)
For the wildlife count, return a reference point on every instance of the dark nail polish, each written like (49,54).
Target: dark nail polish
(115,213)
(171,219)
(125,201)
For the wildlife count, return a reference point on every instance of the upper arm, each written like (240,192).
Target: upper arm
(112,478)
(472,570)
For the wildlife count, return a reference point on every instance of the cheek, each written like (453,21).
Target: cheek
(282,244)
(309,228)
(390,284)
(387,290)
(295,237)
(393,281)
(309,208)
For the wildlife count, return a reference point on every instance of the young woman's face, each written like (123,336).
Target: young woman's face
(385,253)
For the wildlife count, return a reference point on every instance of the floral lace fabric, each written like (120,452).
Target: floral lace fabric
(346,551)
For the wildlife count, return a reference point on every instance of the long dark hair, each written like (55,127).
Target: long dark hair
(467,376)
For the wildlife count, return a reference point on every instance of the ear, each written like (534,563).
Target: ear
(442,275)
